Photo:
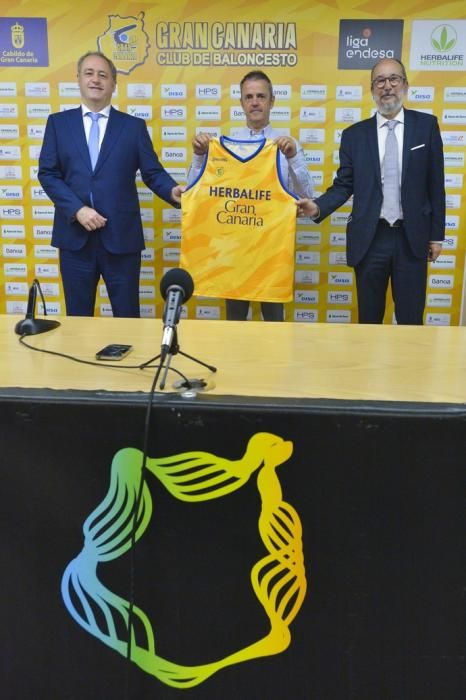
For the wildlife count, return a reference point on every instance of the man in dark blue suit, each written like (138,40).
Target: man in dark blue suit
(382,247)
(97,224)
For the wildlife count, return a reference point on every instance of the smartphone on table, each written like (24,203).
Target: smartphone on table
(115,351)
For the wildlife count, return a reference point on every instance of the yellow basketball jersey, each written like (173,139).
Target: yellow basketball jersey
(239,224)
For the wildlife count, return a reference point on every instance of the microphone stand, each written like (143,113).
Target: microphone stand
(174,349)
(31,325)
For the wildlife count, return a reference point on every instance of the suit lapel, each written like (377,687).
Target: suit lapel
(112,133)
(408,137)
(373,143)
(76,130)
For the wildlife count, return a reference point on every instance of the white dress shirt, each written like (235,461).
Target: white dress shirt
(87,121)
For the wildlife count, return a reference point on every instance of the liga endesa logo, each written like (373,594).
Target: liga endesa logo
(278,579)
(364,42)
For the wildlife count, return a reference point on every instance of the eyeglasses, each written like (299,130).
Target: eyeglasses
(394,81)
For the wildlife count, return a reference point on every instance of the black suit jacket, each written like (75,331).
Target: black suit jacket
(422,184)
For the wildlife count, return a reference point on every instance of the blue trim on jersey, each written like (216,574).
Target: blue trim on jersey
(201,173)
(280,177)
(261,142)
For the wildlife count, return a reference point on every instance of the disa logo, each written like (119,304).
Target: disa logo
(125,42)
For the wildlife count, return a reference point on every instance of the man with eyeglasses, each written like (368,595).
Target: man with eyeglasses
(257,100)
(392,164)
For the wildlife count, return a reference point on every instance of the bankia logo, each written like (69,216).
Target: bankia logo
(174,154)
(364,42)
(190,477)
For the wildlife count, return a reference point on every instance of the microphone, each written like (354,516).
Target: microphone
(31,325)
(176,287)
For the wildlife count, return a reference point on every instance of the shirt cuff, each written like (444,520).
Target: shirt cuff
(197,161)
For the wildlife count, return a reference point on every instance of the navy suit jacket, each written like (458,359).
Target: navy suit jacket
(422,184)
(66,175)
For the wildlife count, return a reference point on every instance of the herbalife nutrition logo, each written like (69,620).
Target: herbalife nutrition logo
(443,40)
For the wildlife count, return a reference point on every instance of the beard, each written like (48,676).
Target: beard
(391,107)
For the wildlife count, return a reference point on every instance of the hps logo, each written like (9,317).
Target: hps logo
(444,37)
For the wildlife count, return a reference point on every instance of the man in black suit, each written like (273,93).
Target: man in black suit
(382,245)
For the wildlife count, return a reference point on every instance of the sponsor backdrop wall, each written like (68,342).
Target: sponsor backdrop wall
(179,69)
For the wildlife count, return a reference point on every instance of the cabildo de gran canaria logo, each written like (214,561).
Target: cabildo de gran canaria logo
(17,35)
(125,42)
(278,578)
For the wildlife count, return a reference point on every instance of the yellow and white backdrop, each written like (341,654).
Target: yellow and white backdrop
(179,65)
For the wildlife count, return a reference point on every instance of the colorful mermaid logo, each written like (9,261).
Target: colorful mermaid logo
(278,578)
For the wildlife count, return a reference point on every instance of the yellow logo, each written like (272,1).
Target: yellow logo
(17,35)
(125,42)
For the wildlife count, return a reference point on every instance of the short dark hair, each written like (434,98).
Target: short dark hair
(397,60)
(111,65)
(257,75)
